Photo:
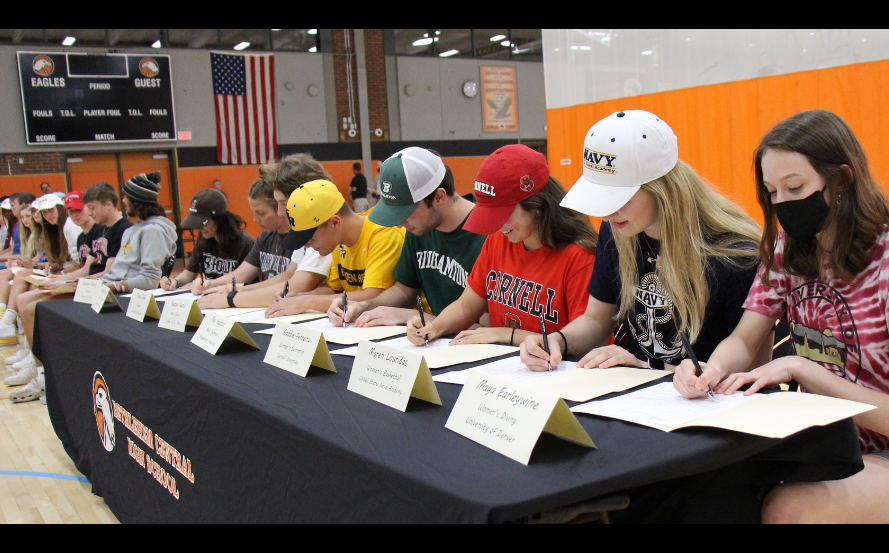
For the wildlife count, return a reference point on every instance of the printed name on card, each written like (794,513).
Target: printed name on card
(509,418)
(391,376)
(295,349)
(213,331)
(87,288)
(143,304)
(102,296)
(179,313)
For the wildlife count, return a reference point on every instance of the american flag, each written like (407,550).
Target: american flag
(244,89)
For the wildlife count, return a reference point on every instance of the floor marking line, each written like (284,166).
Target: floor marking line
(45,475)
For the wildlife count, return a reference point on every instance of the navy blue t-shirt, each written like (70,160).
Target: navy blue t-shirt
(651,323)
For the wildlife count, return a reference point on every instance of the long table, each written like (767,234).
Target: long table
(236,440)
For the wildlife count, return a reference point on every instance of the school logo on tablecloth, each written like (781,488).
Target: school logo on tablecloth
(102,408)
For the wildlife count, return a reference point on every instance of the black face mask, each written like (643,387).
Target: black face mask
(803,219)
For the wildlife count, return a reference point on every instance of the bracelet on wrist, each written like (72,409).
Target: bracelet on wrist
(565,351)
(512,336)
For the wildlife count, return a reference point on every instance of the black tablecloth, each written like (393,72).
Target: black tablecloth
(266,445)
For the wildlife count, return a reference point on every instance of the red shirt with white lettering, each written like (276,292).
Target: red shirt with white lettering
(842,326)
(519,284)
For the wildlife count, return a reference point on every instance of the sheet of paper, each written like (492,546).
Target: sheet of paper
(586,384)
(659,406)
(439,355)
(258,317)
(185,296)
(348,335)
(511,369)
(232,311)
(401,343)
(157,292)
(781,414)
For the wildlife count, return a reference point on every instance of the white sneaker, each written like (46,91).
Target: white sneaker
(7,331)
(29,360)
(23,376)
(20,355)
(30,392)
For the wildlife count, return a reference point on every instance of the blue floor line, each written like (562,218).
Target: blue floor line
(45,475)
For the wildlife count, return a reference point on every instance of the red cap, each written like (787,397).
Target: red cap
(511,174)
(74,200)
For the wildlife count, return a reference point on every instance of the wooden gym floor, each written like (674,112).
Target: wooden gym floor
(38,481)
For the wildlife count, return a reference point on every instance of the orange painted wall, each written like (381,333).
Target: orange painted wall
(236,181)
(31,183)
(719,126)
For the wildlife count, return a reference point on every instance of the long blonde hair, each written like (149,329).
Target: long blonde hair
(698,225)
(25,233)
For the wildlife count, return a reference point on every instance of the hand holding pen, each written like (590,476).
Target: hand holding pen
(549,365)
(698,372)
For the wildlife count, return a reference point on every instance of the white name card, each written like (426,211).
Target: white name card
(509,418)
(103,295)
(143,304)
(213,331)
(391,376)
(87,289)
(178,314)
(295,349)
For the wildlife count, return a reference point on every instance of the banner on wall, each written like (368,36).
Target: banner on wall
(499,106)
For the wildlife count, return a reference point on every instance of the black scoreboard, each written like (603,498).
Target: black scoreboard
(71,98)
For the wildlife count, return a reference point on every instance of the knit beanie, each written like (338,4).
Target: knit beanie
(142,187)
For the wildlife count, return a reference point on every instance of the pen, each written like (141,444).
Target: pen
(344,307)
(694,359)
(202,272)
(545,340)
(422,316)
(286,289)
(235,285)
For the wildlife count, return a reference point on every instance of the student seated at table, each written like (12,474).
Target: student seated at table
(534,263)
(364,253)
(147,245)
(17,201)
(53,217)
(274,262)
(438,253)
(223,243)
(826,274)
(97,247)
(673,254)
(308,269)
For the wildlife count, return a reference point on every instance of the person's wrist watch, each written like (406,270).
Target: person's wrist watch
(231,298)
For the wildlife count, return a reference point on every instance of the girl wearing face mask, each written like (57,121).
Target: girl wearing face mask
(826,274)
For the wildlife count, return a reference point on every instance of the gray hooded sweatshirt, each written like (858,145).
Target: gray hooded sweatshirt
(144,248)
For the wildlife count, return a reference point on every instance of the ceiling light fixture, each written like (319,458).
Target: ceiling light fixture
(449,53)
(156,44)
(497,37)
(242,45)
(69,41)
(422,42)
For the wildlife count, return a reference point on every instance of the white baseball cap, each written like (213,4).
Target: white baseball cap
(47,201)
(620,154)
(6,204)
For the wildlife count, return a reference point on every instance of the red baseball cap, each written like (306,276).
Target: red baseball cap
(74,200)
(511,174)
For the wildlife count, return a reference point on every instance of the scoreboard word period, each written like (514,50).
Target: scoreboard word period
(71,98)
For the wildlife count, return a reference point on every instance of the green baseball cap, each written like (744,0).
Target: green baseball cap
(405,179)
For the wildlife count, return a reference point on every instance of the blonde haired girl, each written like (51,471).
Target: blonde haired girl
(673,254)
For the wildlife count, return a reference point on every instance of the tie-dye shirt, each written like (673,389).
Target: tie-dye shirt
(842,326)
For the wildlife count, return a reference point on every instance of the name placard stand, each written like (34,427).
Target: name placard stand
(103,296)
(296,349)
(391,376)
(509,418)
(215,329)
(178,314)
(143,304)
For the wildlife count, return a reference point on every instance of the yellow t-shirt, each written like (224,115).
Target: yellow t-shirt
(370,262)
